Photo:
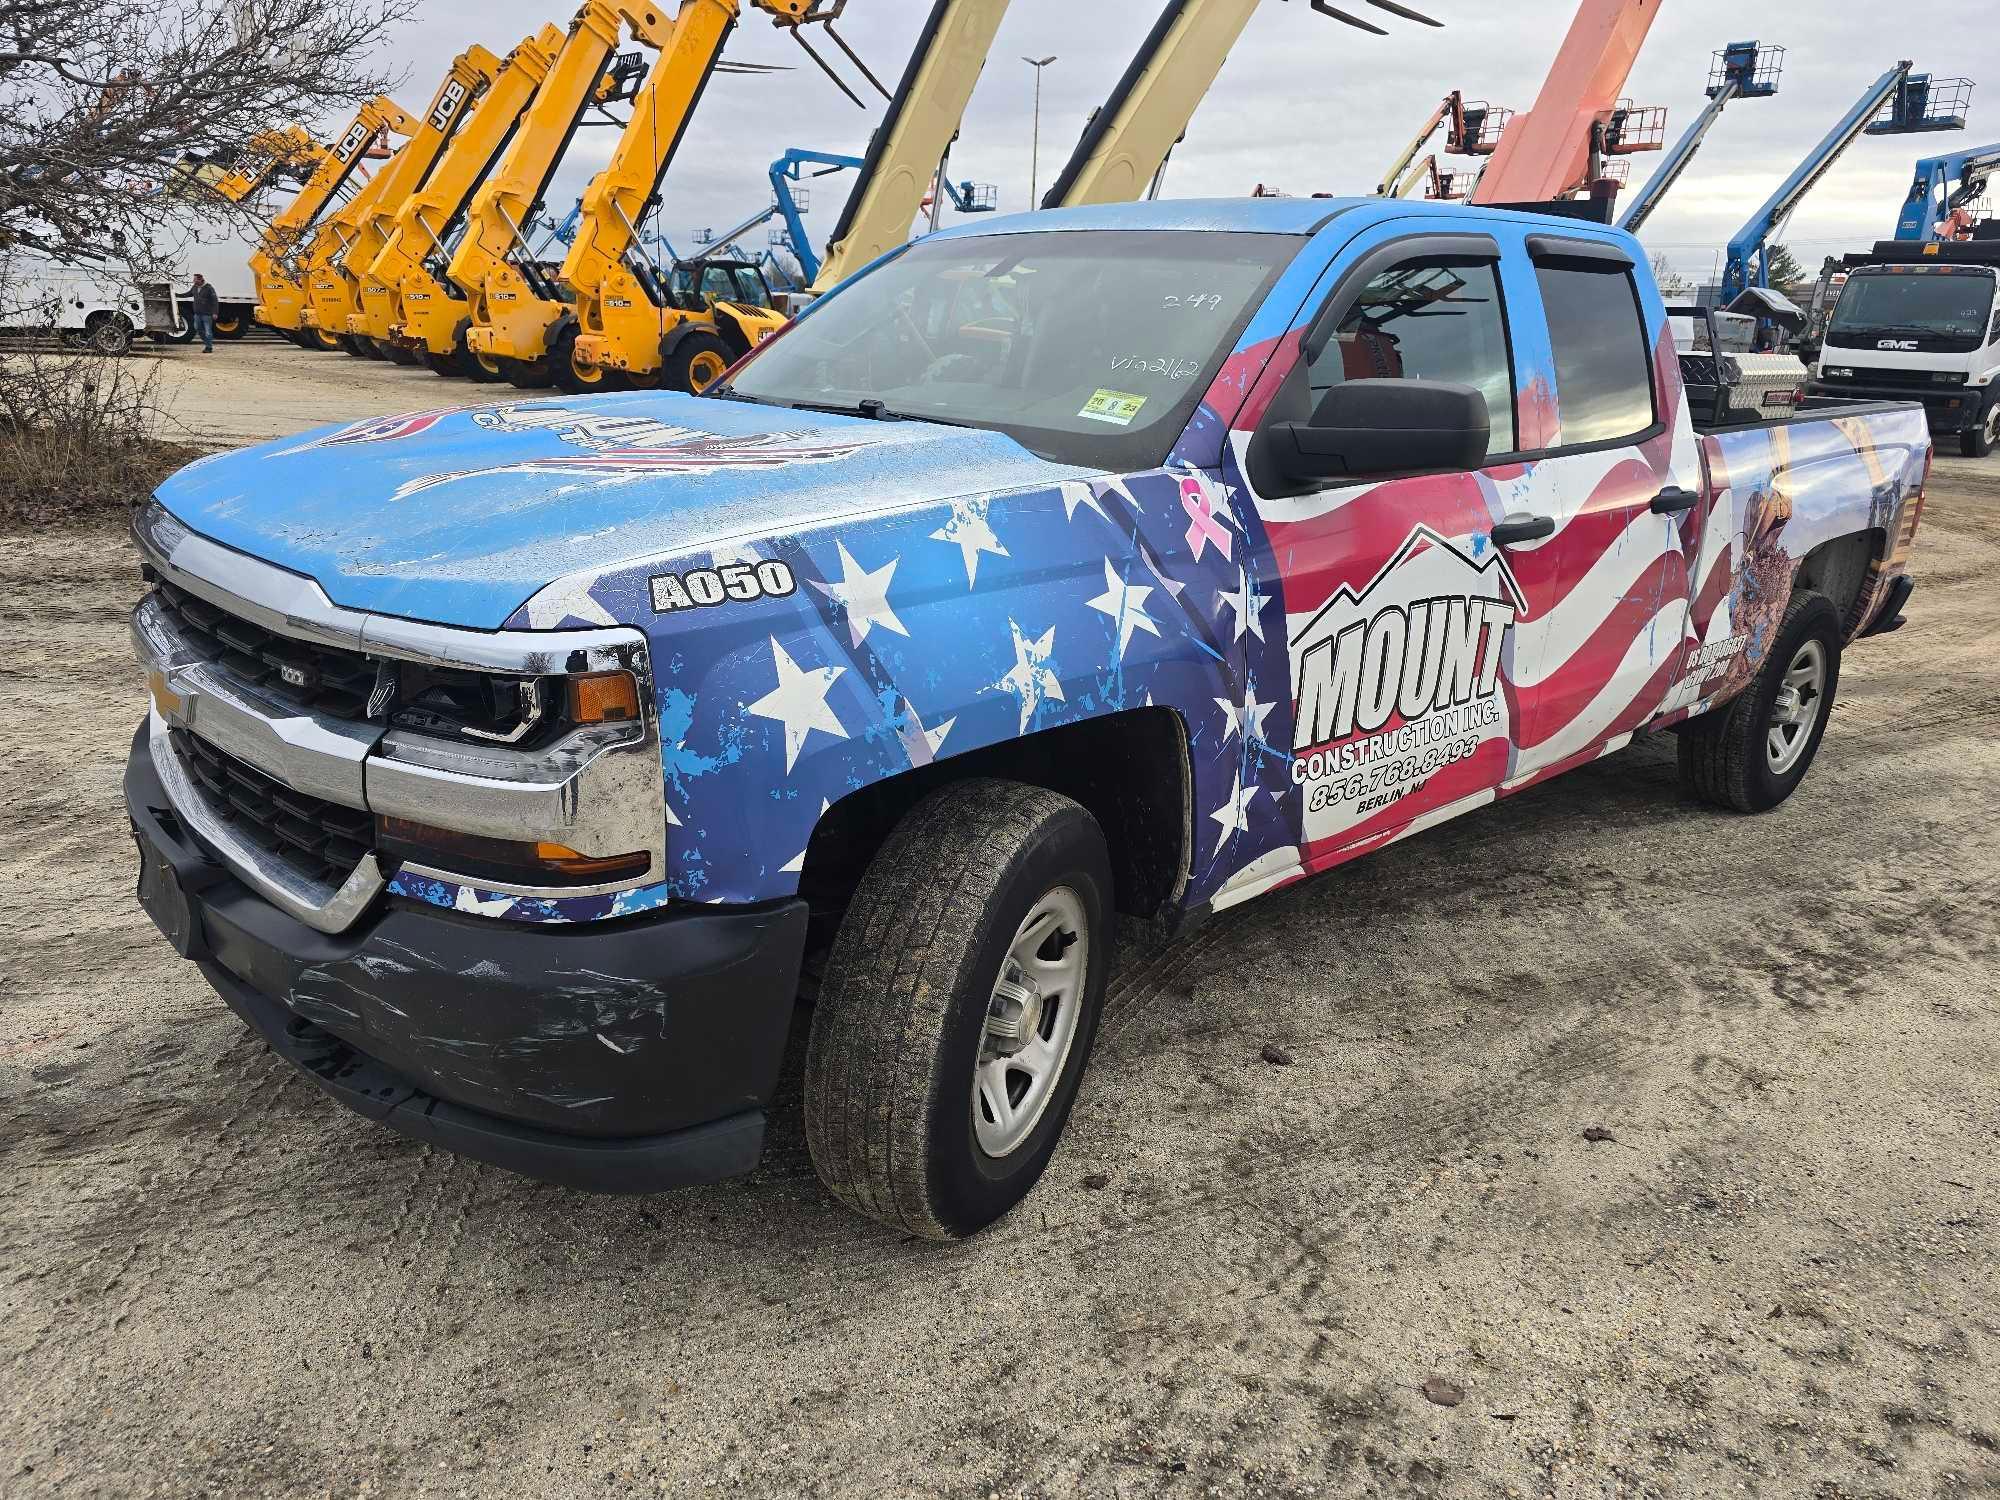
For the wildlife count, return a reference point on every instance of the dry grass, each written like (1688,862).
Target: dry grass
(75,436)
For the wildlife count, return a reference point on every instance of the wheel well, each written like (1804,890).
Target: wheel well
(1839,569)
(1129,769)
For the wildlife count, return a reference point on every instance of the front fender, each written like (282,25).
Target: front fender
(792,671)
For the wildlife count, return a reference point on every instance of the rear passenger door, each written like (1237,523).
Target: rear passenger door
(1619,461)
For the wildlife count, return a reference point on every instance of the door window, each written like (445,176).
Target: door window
(1604,369)
(1427,319)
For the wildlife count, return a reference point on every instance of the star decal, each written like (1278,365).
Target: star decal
(735,552)
(970,532)
(921,743)
(1247,603)
(799,703)
(1245,718)
(1234,814)
(564,600)
(864,595)
(1126,604)
(797,863)
(1031,679)
(1075,495)
(469,900)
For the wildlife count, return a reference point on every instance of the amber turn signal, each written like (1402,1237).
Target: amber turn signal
(505,861)
(603,698)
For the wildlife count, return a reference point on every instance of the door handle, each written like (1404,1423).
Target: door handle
(1672,500)
(1523,529)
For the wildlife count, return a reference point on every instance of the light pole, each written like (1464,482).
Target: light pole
(1035,151)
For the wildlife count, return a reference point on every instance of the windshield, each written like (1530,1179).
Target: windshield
(1085,346)
(1939,309)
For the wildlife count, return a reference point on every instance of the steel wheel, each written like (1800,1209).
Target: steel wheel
(705,369)
(1030,1022)
(1797,709)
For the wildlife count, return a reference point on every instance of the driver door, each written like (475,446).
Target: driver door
(1407,626)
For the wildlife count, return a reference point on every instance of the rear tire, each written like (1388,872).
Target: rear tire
(396,354)
(580,379)
(109,333)
(988,907)
(462,361)
(231,323)
(1751,754)
(526,374)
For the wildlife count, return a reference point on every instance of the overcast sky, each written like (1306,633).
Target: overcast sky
(1305,103)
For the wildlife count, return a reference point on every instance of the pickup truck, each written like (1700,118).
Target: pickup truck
(515,770)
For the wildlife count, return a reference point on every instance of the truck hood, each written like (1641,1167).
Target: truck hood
(457,516)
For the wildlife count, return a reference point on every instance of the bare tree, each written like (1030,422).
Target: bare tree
(1673,285)
(108,108)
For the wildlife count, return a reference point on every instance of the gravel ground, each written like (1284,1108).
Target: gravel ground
(1774,1275)
(262,387)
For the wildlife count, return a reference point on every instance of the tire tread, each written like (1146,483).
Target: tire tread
(911,928)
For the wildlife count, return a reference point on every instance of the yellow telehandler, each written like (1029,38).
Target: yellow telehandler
(286,243)
(524,316)
(492,265)
(333,279)
(407,302)
(633,324)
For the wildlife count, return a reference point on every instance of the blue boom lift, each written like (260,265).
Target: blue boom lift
(1742,70)
(1900,102)
(1945,185)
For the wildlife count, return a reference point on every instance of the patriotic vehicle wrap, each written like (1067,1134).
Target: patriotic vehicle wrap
(833,601)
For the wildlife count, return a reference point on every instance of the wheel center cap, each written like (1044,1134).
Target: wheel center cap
(1015,1014)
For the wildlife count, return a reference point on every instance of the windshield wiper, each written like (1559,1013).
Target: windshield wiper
(874,410)
(730,393)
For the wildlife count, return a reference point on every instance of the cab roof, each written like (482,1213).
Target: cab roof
(1299,216)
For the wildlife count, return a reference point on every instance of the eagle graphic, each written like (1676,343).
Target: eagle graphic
(701,453)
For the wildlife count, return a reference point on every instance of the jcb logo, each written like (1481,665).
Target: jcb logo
(449,100)
(357,134)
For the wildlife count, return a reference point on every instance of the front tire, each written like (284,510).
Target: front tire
(1979,440)
(1751,754)
(696,363)
(959,1007)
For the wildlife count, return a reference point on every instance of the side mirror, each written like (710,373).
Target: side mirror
(1365,427)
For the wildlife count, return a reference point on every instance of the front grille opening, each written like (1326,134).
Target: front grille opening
(327,678)
(321,840)
(451,702)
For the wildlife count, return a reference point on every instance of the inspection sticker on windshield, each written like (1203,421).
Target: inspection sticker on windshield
(1116,407)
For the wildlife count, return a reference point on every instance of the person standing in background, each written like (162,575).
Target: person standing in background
(202,304)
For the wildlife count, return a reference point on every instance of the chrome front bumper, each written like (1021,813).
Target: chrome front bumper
(599,790)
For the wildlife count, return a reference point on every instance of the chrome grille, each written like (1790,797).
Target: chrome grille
(321,840)
(322,677)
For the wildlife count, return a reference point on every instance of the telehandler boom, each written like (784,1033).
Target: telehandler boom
(404,302)
(510,301)
(333,286)
(628,325)
(281,292)
(1125,146)
(519,322)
